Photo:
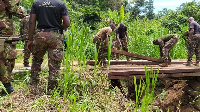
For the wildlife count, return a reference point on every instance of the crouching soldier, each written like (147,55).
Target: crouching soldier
(166,43)
(8,8)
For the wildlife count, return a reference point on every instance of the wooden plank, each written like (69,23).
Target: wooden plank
(177,75)
(136,55)
(135,62)
(161,71)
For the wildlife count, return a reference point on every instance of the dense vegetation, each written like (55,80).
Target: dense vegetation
(84,91)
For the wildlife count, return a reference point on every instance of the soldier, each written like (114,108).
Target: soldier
(52,18)
(122,39)
(24,33)
(8,8)
(166,43)
(101,43)
(193,41)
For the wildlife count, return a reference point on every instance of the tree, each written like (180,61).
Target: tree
(141,8)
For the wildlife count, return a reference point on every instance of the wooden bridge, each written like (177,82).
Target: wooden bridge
(136,68)
(129,69)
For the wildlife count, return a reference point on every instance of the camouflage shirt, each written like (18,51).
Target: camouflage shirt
(104,32)
(167,37)
(6,22)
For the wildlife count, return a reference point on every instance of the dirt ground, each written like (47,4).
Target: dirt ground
(171,95)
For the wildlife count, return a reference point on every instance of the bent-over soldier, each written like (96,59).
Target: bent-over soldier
(193,41)
(101,43)
(8,8)
(166,43)
(24,26)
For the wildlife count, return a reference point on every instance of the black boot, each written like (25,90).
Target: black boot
(8,87)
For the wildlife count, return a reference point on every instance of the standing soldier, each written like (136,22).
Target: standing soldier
(24,33)
(193,41)
(166,43)
(101,43)
(52,18)
(8,8)
(122,39)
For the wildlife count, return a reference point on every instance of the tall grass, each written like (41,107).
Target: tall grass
(145,91)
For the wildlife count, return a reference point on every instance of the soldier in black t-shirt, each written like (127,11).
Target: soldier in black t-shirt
(193,41)
(122,39)
(48,38)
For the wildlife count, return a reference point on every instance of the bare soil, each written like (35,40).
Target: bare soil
(172,97)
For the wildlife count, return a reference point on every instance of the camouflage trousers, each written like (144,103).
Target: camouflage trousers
(124,47)
(7,62)
(27,53)
(50,42)
(114,46)
(102,50)
(167,47)
(194,47)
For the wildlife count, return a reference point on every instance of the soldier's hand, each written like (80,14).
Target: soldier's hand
(29,44)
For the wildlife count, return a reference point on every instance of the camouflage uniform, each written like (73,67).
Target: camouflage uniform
(24,32)
(100,40)
(166,43)
(114,46)
(194,46)
(193,41)
(8,56)
(52,43)
(102,50)
(124,47)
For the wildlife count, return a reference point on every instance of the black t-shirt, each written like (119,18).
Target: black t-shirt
(121,32)
(49,13)
(194,25)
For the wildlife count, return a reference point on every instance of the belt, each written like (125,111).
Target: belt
(49,30)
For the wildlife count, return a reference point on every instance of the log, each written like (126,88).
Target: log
(136,55)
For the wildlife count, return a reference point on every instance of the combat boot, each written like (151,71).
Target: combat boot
(9,89)
(164,64)
(188,63)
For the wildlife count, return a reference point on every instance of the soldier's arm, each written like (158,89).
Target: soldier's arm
(32,24)
(65,17)
(66,22)
(119,40)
